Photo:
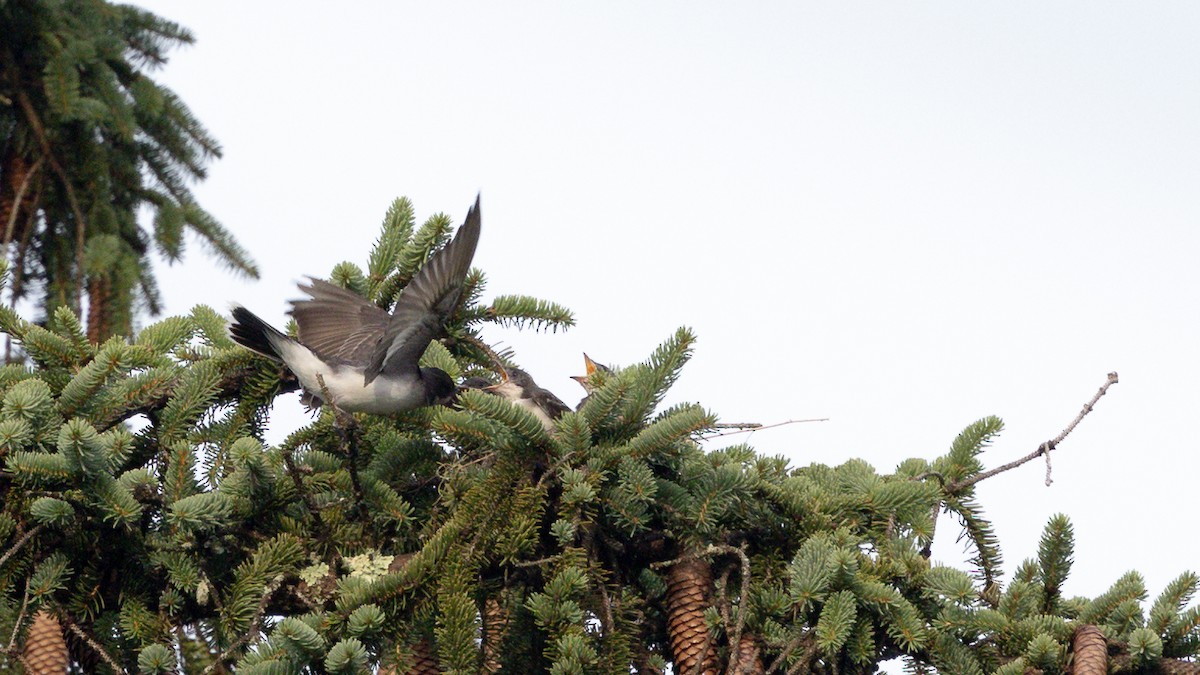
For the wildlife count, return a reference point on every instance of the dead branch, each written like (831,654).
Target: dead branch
(754,426)
(1043,449)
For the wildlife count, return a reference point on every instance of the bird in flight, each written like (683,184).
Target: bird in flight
(359,356)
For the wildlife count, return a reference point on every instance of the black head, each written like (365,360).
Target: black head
(439,387)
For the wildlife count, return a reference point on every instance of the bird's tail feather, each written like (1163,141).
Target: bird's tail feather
(255,334)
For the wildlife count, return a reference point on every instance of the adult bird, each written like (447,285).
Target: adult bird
(360,357)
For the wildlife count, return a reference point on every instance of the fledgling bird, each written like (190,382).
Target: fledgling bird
(365,358)
(585,380)
(519,388)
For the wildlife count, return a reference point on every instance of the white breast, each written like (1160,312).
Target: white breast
(383,396)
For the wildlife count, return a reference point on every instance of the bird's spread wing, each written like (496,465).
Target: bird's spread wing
(425,303)
(338,323)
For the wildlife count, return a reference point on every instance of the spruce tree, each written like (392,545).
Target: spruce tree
(87,139)
(146,527)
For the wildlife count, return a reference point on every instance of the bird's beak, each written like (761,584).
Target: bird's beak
(589,364)
(581,379)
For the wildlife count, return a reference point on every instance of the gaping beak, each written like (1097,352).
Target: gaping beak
(589,364)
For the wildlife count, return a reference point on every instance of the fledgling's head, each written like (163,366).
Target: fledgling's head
(592,368)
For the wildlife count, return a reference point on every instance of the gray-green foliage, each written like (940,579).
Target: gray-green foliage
(474,536)
(88,140)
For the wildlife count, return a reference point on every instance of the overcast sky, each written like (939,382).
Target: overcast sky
(901,216)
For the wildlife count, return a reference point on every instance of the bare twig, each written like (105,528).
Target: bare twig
(64,618)
(539,561)
(737,425)
(749,430)
(12,642)
(1043,449)
(801,639)
(735,636)
(19,543)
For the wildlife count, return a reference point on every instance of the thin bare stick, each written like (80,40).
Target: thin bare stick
(19,543)
(12,642)
(760,427)
(737,425)
(1042,449)
(535,563)
(63,617)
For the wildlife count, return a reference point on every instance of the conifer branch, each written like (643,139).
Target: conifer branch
(290,464)
(1043,449)
(35,123)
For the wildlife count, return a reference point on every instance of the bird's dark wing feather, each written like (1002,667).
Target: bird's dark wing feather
(424,304)
(338,323)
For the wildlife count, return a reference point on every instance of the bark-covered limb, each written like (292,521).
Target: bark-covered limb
(19,543)
(65,619)
(1042,449)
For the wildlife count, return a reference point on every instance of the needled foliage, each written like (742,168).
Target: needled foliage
(87,139)
(141,509)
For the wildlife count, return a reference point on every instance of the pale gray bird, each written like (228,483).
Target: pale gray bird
(367,359)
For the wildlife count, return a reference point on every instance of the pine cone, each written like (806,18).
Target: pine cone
(1090,652)
(45,650)
(688,585)
(495,625)
(422,660)
(749,660)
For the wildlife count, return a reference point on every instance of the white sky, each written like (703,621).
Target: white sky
(902,216)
